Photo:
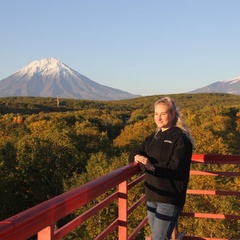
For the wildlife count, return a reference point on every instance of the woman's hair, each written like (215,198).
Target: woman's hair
(178,120)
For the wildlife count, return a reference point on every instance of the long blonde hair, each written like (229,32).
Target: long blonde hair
(178,120)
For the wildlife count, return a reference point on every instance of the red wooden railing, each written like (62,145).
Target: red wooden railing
(42,219)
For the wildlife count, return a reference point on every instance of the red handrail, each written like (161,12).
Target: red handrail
(216,158)
(42,218)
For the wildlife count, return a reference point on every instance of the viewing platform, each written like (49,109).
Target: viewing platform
(41,220)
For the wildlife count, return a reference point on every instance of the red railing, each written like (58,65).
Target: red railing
(42,219)
(213,159)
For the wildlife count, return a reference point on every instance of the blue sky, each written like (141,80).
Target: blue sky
(144,47)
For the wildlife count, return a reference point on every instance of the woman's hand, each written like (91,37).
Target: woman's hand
(143,161)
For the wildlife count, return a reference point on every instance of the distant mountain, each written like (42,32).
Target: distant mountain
(50,78)
(230,86)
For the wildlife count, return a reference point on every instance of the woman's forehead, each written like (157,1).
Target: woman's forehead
(161,107)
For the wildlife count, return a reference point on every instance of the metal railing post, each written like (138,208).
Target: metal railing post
(47,233)
(123,211)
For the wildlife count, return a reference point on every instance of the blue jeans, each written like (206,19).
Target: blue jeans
(162,219)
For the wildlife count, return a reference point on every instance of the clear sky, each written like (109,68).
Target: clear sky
(144,47)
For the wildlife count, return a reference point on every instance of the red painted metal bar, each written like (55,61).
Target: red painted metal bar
(136,204)
(213,173)
(47,233)
(108,230)
(211,215)
(213,192)
(203,238)
(83,217)
(136,181)
(216,159)
(42,218)
(46,214)
(123,210)
(138,228)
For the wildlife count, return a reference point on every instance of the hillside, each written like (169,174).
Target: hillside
(30,105)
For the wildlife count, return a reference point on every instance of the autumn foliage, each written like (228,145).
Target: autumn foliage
(47,149)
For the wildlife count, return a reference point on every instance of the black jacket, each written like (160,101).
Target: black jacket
(170,151)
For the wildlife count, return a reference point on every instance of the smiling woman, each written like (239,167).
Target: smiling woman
(165,156)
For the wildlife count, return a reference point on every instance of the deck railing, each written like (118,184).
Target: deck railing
(41,220)
(214,159)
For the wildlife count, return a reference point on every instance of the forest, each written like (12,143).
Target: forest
(49,147)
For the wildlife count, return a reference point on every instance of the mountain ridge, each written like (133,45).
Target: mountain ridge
(231,86)
(49,77)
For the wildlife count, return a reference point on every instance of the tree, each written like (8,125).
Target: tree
(134,134)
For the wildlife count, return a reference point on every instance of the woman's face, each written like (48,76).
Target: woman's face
(163,117)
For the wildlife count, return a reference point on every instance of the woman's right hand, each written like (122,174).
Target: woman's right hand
(141,160)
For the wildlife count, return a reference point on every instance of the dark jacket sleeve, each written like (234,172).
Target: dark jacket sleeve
(141,149)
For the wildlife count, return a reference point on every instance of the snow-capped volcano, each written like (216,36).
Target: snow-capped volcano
(231,86)
(49,77)
(46,67)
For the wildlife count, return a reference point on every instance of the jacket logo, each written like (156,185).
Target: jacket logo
(168,141)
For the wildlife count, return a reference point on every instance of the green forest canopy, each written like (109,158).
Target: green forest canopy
(47,149)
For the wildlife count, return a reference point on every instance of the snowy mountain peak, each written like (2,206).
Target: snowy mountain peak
(50,77)
(234,80)
(231,86)
(46,67)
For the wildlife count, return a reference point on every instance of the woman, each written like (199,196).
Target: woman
(165,156)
